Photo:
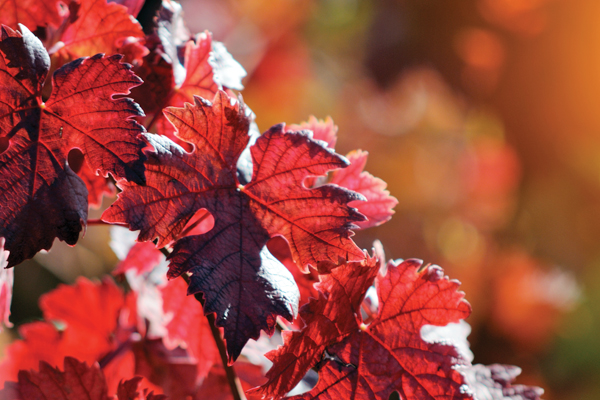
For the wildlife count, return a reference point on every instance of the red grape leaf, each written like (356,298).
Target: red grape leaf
(31,13)
(207,66)
(142,257)
(161,69)
(6,286)
(379,205)
(130,390)
(133,50)
(92,323)
(88,313)
(185,341)
(216,385)
(120,366)
(97,185)
(199,81)
(42,197)
(198,71)
(328,321)
(494,382)
(157,73)
(170,370)
(280,249)
(170,315)
(188,327)
(96,26)
(39,341)
(230,264)
(105,334)
(324,130)
(77,382)
(387,355)
(227,71)
(133,6)
(181,66)
(378,208)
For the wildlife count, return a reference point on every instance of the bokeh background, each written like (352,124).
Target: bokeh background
(483,116)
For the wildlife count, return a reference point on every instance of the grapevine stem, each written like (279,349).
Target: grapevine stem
(234,383)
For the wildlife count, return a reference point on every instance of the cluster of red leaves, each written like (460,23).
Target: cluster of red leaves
(242,215)
(230,264)
(118,331)
(386,353)
(79,28)
(78,381)
(370,357)
(94,328)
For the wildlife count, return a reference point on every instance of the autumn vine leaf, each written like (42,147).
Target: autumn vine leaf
(188,327)
(97,185)
(179,67)
(130,390)
(88,330)
(242,283)
(42,197)
(198,81)
(324,130)
(495,382)
(78,381)
(205,65)
(164,305)
(161,69)
(31,13)
(142,257)
(95,26)
(379,204)
(133,6)
(372,361)
(80,28)
(340,291)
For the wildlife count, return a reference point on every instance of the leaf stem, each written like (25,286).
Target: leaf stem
(97,222)
(234,383)
(165,252)
(104,361)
